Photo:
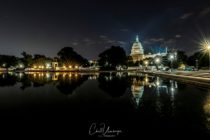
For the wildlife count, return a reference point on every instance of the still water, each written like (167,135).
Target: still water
(132,104)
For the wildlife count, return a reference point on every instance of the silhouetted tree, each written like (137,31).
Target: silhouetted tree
(7,80)
(27,59)
(67,85)
(113,85)
(26,82)
(8,61)
(202,58)
(68,56)
(180,59)
(112,57)
(41,60)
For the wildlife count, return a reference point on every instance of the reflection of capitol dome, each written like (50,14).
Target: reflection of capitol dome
(137,91)
(137,51)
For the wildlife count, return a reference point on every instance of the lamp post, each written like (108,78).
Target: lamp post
(171,57)
(146,63)
(196,64)
(157,61)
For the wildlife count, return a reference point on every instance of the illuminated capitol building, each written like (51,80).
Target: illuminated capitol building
(137,52)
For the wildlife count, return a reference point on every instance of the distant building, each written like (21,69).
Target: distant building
(137,52)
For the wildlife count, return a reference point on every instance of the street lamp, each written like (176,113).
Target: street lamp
(146,63)
(157,61)
(171,57)
(21,66)
(196,64)
(47,65)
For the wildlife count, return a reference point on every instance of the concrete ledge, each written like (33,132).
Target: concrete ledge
(200,81)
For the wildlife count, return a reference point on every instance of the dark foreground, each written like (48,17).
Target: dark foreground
(50,105)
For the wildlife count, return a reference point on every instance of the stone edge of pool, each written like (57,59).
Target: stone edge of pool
(199,81)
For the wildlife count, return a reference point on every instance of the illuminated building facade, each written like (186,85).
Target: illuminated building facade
(137,51)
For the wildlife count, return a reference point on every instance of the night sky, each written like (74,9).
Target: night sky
(91,26)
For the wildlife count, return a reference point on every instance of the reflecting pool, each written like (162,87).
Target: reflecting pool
(136,104)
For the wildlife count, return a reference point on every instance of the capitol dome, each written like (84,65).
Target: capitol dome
(137,51)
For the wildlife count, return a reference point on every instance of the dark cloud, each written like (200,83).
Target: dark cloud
(87,40)
(122,42)
(204,12)
(178,36)
(124,30)
(75,43)
(156,39)
(103,36)
(186,15)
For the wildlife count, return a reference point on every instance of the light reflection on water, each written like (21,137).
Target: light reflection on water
(152,97)
(206,108)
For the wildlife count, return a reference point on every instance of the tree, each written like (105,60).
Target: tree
(41,60)
(27,59)
(112,57)
(130,61)
(202,59)
(180,59)
(68,56)
(8,61)
(113,85)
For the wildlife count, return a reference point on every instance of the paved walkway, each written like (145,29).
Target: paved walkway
(195,77)
(201,74)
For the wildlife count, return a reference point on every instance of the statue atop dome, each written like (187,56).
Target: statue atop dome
(137,38)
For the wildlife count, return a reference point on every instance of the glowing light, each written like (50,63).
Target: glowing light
(158,83)
(171,57)
(157,60)
(21,65)
(35,66)
(48,75)
(172,89)
(205,46)
(76,67)
(20,75)
(206,108)
(64,75)
(146,80)
(47,65)
(146,63)
(70,66)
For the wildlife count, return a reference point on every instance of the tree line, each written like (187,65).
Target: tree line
(65,56)
(109,59)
